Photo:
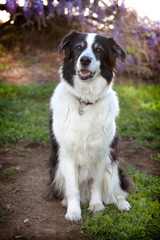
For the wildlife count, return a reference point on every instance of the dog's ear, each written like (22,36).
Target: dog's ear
(117,50)
(67,42)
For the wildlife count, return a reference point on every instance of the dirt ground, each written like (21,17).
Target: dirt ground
(23,212)
(37,66)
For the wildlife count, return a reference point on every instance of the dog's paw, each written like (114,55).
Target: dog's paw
(73,215)
(96,207)
(123,205)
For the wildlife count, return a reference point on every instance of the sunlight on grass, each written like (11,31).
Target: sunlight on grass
(140,113)
(24,112)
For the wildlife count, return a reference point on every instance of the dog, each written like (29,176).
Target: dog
(83,165)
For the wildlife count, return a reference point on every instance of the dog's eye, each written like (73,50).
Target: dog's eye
(99,50)
(78,47)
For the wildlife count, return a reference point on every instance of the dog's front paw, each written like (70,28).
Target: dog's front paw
(73,215)
(96,207)
(123,205)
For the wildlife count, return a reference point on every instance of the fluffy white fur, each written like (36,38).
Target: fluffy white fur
(84,145)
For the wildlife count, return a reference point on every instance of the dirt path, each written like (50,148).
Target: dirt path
(37,66)
(20,196)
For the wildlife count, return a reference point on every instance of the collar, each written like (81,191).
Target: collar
(81,101)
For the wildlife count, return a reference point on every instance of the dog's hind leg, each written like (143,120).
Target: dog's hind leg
(115,187)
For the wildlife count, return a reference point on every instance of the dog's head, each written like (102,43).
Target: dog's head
(89,55)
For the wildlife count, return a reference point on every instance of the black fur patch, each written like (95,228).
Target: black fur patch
(51,193)
(125,182)
(111,50)
(114,149)
(68,70)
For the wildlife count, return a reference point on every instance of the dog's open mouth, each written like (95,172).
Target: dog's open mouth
(85,74)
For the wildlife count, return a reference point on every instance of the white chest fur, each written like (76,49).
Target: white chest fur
(87,135)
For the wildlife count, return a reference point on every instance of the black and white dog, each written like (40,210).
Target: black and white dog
(83,163)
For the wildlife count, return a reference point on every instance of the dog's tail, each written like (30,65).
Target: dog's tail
(50,193)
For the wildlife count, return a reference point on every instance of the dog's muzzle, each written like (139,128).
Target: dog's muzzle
(85,74)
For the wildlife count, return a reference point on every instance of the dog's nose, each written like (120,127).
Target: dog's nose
(85,61)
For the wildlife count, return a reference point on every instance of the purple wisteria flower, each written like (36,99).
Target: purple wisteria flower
(145,28)
(100,14)
(60,7)
(116,32)
(153,57)
(122,7)
(11,6)
(121,67)
(81,17)
(51,8)
(130,60)
(28,14)
(69,6)
(78,4)
(38,9)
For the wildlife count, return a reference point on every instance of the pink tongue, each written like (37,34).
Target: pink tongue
(84,73)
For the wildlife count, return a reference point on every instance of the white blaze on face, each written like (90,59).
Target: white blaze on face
(94,66)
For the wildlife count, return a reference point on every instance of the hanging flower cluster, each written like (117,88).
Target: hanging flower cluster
(11,6)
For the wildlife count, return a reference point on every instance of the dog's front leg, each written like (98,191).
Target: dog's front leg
(72,193)
(96,189)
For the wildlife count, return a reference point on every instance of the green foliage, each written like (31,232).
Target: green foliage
(8,173)
(140,113)
(3,67)
(157,159)
(27,62)
(141,222)
(2,52)
(130,50)
(47,68)
(24,112)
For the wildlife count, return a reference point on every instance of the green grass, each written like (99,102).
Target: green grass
(47,68)
(8,173)
(156,158)
(140,113)
(24,112)
(27,62)
(141,222)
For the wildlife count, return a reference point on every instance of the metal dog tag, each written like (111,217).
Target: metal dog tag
(80,111)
